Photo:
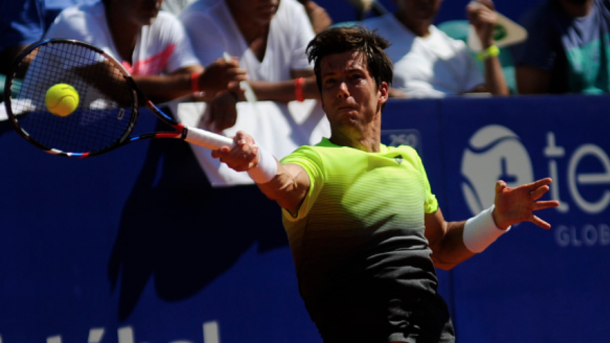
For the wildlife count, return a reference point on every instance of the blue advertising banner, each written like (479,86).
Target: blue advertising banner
(135,246)
(533,285)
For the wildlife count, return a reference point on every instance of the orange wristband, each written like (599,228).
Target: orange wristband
(298,89)
(195,83)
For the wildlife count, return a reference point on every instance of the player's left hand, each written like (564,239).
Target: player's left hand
(483,17)
(516,205)
(242,156)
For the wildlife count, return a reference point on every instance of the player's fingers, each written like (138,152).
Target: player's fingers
(541,205)
(536,220)
(537,184)
(500,186)
(223,151)
(538,192)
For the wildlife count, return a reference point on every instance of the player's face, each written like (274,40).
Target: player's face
(350,97)
(258,11)
(418,9)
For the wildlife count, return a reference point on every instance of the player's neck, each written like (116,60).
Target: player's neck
(369,141)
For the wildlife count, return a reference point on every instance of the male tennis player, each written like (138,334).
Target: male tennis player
(364,228)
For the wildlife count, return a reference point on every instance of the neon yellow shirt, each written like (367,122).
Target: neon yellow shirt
(358,204)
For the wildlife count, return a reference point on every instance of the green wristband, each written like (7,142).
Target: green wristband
(492,51)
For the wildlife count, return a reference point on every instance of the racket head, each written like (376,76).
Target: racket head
(107,109)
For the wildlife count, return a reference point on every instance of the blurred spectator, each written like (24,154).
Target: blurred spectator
(175,6)
(567,50)
(152,45)
(54,7)
(269,39)
(319,18)
(22,22)
(427,62)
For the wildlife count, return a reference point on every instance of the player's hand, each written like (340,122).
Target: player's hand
(242,156)
(516,205)
(483,17)
(221,75)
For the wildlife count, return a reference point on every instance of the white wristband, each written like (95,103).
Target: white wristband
(481,230)
(266,168)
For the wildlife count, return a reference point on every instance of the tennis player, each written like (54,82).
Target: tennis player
(364,227)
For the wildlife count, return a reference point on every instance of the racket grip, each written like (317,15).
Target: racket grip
(207,139)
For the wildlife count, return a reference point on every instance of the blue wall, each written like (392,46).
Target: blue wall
(341,10)
(135,242)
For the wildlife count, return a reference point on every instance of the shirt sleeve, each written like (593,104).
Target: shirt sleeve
(173,33)
(473,77)
(430,203)
(75,23)
(72,24)
(312,164)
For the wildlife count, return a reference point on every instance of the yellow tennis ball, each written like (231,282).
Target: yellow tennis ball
(62,99)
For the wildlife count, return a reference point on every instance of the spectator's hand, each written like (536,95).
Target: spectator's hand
(223,111)
(483,17)
(516,205)
(221,75)
(242,156)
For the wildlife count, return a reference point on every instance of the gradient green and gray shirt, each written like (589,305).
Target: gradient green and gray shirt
(362,218)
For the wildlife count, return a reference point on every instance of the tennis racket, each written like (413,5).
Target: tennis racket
(108,105)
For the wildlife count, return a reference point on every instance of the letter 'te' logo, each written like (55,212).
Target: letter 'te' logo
(494,153)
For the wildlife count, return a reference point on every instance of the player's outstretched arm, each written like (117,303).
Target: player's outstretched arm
(454,242)
(285,183)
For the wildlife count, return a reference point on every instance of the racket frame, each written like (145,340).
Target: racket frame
(139,99)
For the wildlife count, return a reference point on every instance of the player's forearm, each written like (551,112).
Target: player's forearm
(286,187)
(450,250)
(287,184)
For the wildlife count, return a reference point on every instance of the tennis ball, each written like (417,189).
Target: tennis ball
(61,99)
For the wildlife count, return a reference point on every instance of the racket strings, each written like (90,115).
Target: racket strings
(105,112)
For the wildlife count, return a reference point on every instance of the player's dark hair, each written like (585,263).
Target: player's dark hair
(336,40)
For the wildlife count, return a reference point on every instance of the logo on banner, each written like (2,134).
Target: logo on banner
(494,153)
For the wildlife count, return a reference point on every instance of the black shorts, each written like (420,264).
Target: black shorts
(414,316)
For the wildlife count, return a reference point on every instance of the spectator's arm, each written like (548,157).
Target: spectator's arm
(495,82)
(320,20)
(218,76)
(531,80)
(284,91)
(483,17)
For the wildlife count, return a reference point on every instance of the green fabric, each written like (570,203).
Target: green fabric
(2,80)
(356,195)
(589,75)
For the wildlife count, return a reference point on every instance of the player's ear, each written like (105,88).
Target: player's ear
(383,91)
